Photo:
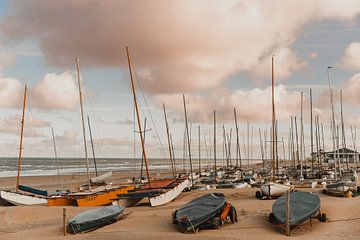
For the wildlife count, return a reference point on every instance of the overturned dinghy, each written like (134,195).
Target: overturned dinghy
(303,206)
(208,211)
(338,189)
(272,190)
(93,219)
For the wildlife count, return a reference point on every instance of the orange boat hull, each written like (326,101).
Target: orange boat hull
(60,201)
(102,198)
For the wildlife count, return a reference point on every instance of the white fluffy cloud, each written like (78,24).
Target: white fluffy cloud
(351,58)
(56,92)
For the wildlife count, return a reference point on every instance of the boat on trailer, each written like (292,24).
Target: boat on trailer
(208,211)
(339,189)
(303,206)
(96,218)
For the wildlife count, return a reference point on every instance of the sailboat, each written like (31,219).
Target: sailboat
(272,189)
(99,196)
(160,191)
(302,206)
(28,196)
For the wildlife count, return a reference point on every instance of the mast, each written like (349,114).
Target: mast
(238,153)
(21,140)
(138,116)
(276,147)
(301,137)
(343,133)
(82,121)
(55,154)
(173,153)
(199,150)
(297,141)
(215,145)
(169,142)
(92,146)
(142,154)
(248,145)
(311,134)
(333,118)
(188,137)
(273,116)
(261,149)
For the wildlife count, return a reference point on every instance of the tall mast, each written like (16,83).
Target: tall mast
(142,155)
(169,143)
(82,121)
(332,118)
(301,137)
(92,146)
(215,145)
(273,116)
(238,154)
(311,134)
(138,116)
(248,145)
(21,140)
(261,149)
(55,154)
(199,150)
(188,138)
(343,133)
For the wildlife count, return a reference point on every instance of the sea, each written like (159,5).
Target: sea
(69,166)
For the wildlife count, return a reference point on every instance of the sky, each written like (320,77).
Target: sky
(218,54)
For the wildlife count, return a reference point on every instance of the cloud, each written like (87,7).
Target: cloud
(351,58)
(32,125)
(286,63)
(53,92)
(351,89)
(252,105)
(10,92)
(56,92)
(68,137)
(176,46)
(124,122)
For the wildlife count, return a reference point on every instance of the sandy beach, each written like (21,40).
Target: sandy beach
(145,222)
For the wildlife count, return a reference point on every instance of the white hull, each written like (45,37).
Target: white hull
(22,199)
(241,185)
(127,202)
(169,195)
(274,189)
(101,178)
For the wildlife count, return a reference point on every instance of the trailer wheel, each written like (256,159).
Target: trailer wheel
(174,221)
(258,195)
(272,219)
(323,217)
(233,215)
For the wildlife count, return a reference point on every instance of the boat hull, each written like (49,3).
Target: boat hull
(169,195)
(102,198)
(274,189)
(94,219)
(197,212)
(303,206)
(19,199)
